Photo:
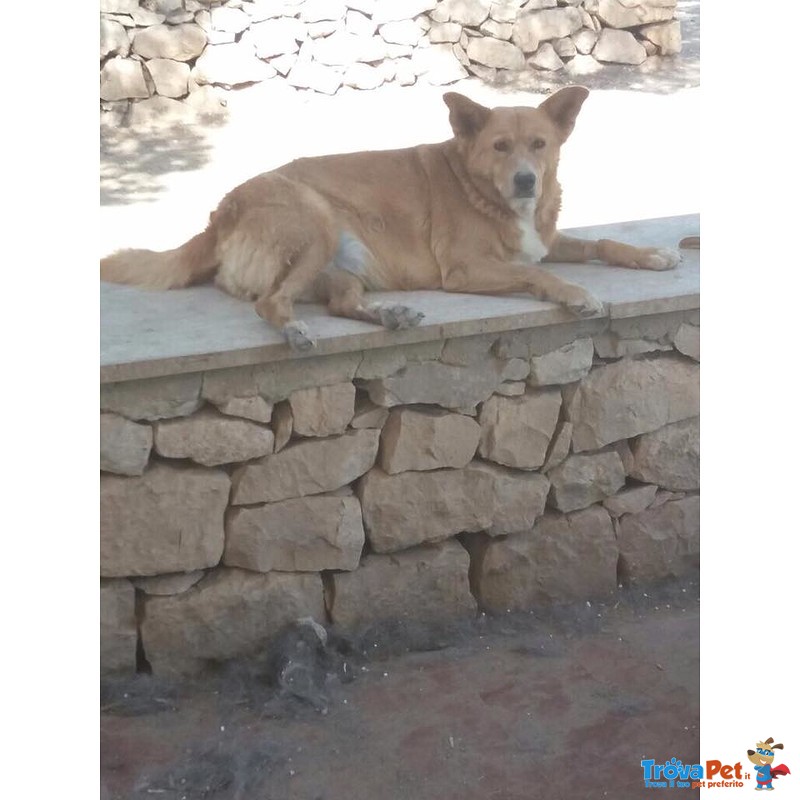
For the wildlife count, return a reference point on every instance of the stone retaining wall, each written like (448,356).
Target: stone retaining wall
(425,481)
(156,52)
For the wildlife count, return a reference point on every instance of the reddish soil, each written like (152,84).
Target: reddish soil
(563,705)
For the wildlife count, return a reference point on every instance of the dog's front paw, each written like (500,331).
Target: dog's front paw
(584,304)
(397,317)
(659,258)
(298,336)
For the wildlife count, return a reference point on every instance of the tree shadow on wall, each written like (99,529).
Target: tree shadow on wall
(134,161)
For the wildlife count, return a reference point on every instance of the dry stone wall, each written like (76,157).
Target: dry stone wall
(426,481)
(159,52)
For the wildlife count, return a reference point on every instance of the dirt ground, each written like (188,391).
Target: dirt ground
(562,704)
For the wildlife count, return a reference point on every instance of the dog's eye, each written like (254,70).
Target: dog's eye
(537,144)
(502,145)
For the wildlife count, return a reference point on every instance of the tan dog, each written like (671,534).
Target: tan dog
(473,214)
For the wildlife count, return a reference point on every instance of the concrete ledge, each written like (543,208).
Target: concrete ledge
(148,334)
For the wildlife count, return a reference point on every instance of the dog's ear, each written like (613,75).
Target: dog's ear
(563,107)
(466,116)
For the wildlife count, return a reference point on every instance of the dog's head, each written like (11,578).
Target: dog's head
(514,150)
(765,752)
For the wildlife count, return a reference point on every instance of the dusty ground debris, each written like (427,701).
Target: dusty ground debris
(566,700)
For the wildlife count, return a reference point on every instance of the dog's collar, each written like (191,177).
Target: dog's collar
(476,198)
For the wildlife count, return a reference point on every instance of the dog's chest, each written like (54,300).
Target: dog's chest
(532,249)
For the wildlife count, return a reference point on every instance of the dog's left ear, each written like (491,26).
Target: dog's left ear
(466,116)
(563,107)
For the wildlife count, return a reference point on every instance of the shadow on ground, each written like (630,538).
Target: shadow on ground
(132,161)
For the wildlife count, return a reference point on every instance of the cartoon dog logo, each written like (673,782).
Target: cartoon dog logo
(762,757)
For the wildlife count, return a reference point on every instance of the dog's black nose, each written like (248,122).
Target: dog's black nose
(524,183)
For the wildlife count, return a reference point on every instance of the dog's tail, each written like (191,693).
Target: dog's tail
(193,262)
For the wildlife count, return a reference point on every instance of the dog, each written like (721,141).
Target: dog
(476,213)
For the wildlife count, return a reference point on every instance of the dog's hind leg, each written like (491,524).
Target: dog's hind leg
(577,251)
(346,299)
(277,306)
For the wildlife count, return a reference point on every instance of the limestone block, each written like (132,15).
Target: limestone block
(465,12)
(495,29)
(546,57)
(253,408)
(669,457)
(618,47)
(277,37)
(438,64)
(511,388)
(114,39)
(583,479)
(155,398)
(308,467)
(559,446)
(611,345)
(660,542)
(518,498)
(631,500)
(427,439)
(425,583)
(172,583)
(530,342)
(118,633)
(567,557)
(211,439)
(231,613)
(516,431)
(585,40)
(687,341)
(122,79)
(445,32)
(495,53)
(567,364)
(231,20)
(168,520)
(628,14)
(541,26)
(324,410)
(178,42)
(438,384)
(630,397)
(384,361)
(312,75)
(665,35)
(467,350)
(414,507)
(506,11)
(319,10)
(565,48)
(277,381)
(583,65)
(404,31)
(363,76)
(359,24)
(171,78)
(124,445)
(368,415)
(231,65)
(306,534)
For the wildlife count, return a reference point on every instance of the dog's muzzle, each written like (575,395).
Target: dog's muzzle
(524,184)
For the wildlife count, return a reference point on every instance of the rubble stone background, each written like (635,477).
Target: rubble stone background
(427,481)
(159,54)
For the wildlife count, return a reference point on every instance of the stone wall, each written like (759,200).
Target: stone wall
(425,481)
(159,51)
